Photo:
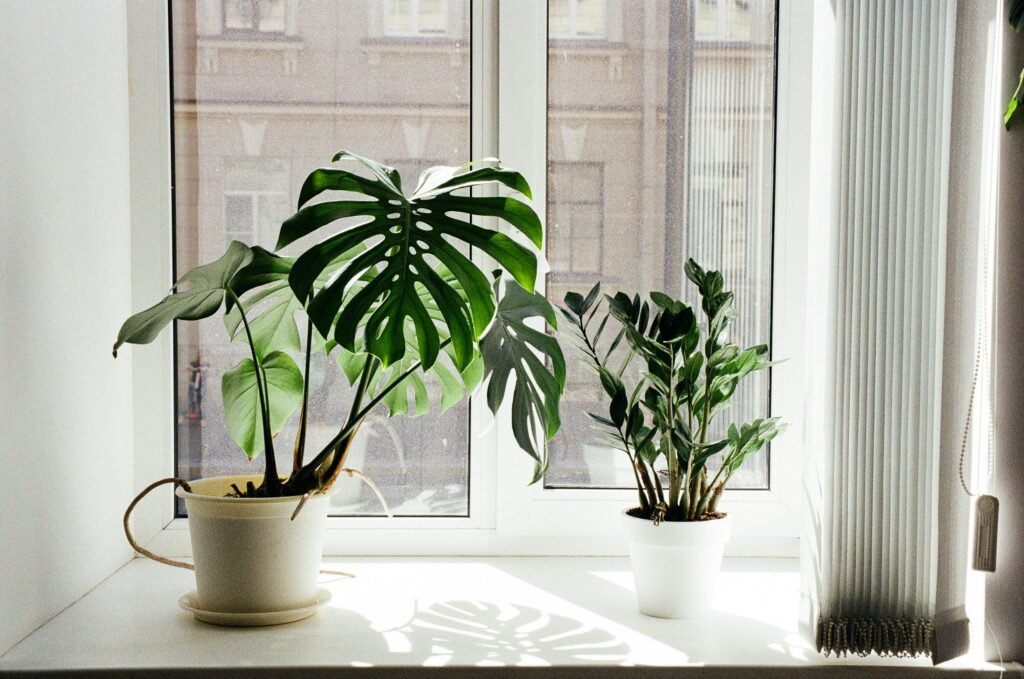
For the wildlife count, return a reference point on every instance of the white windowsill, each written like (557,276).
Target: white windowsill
(454,612)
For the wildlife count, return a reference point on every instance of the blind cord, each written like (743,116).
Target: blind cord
(981,351)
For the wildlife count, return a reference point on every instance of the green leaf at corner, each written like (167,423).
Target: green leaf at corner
(1011,108)
(241,399)
(273,325)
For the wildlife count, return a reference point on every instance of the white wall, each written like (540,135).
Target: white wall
(65,276)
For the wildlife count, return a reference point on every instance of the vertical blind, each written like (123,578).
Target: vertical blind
(893,100)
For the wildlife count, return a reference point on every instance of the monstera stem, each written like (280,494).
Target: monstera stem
(271,481)
(341,449)
(300,436)
(308,472)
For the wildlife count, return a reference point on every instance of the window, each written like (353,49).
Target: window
(614,183)
(726,20)
(618,140)
(580,19)
(416,17)
(248,215)
(575,220)
(254,16)
(245,136)
(255,198)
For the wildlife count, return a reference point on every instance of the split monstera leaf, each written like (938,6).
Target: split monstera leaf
(393,295)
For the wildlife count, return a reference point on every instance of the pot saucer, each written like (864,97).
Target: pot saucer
(190,602)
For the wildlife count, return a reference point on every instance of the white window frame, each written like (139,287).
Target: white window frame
(505,515)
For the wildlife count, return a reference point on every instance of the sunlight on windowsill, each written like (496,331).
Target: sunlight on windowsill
(434,611)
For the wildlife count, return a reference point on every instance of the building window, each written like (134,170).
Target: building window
(577,19)
(428,18)
(724,20)
(254,16)
(252,216)
(575,248)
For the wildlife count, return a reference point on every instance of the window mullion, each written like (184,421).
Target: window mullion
(484,432)
(522,144)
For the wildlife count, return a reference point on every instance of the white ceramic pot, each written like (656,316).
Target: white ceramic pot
(250,557)
(676,564)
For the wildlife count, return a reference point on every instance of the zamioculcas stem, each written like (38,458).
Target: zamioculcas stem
(673,459)
(644,505)
(648,484)
(706,496)
(659,491)
(716,496)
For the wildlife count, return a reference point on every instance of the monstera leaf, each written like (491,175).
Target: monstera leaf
(242,403)
(205,287)
(273,327)
(442,381)
(415,393)
(513,346)
(408,239)
(271,306)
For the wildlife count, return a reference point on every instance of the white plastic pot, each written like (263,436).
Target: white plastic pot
(676,564)
(250,557)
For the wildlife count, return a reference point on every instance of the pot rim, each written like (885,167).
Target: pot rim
(235,478)
(708,522)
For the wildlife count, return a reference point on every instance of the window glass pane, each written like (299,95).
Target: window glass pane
(706,18)
(590,18)
(669,160)
(238,218)
(249,125)
(272,16)
(558,17)
(239,15)
(398,17)
(271,210)
(737,19)
(433,16)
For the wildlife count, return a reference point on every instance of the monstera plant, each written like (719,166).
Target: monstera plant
(393,295)
(383,283)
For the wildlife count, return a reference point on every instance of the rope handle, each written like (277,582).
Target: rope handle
(163,559)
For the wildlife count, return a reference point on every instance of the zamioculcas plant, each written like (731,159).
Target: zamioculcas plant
(393,297)
(661,415)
